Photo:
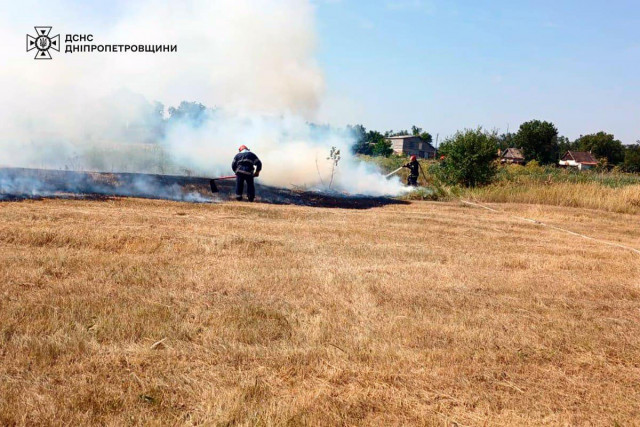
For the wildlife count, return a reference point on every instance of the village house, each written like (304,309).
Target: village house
(410,145)
(512,156)
(582,160)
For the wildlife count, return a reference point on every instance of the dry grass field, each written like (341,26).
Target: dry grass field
(129,312)
(590,195)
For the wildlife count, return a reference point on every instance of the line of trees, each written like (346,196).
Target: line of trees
(469,157)
(538,140)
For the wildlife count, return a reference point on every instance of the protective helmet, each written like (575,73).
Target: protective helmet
(414,158)
(242,147)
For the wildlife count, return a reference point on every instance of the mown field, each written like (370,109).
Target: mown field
(129,312)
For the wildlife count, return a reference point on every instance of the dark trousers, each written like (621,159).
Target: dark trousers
(251,189)
(412,181)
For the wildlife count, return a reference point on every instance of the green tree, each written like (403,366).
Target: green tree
(398,133)
(565,144)
(192,112)
(417,131)
(603,146)
(469,158)
(539,140)
(426,137)
(506,140)
(632,158)
(361,143)
(380,146)
(371,143)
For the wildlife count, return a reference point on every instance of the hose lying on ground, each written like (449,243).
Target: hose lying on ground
(618,245)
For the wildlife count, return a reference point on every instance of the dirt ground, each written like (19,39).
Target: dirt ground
(128,312)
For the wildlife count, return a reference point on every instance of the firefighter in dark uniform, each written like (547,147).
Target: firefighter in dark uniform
(414,171)
(243,166)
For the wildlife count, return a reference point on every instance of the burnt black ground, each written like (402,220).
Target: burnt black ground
(22,183)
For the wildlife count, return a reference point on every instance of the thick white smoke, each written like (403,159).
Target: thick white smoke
(252,58)
(294,153)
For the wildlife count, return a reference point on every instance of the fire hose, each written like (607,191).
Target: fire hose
(212,182)
(421,170)
(395,171)
(423,174)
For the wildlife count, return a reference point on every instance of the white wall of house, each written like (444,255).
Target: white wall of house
(574,164)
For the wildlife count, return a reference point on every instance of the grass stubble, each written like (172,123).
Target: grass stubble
(128,312)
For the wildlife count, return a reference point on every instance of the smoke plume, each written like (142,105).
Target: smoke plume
(251,59)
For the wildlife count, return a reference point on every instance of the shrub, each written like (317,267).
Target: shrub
(469,158)
(534,167)
(632,158)
(381,147)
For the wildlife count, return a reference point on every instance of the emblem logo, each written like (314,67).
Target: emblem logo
(42,42)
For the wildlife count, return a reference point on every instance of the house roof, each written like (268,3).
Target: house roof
(513,153)
(583,157)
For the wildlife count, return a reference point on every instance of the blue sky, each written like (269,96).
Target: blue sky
(447,65)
